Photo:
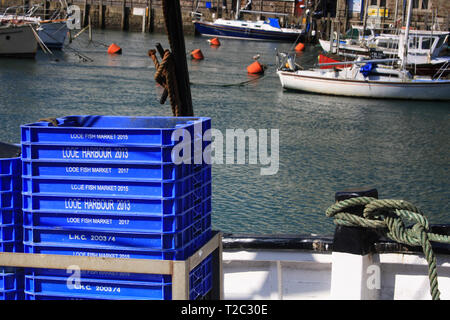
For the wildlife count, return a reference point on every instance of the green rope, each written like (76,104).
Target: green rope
(388,217)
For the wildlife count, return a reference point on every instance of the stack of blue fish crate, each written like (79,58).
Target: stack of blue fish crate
(111,186)
(11,279)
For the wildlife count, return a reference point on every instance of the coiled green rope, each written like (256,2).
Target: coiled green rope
(388,217)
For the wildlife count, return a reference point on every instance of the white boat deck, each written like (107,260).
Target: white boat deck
(290,274)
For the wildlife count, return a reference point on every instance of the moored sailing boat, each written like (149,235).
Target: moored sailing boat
(18,41)
(367,78)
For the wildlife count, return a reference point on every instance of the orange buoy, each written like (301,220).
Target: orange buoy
(197,54)
(255,68)
(114,48)
(300,47)
(214,42)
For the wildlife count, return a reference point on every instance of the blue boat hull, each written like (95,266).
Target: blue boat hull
(208,29)
(53,34)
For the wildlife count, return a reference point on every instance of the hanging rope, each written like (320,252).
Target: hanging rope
(53,121)
(388,217)
(166,77)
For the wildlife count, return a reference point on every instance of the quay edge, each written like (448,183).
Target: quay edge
(118,14)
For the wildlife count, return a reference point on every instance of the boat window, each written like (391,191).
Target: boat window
(388,43)
(426,43)
(352,34)
(440,42)
(367,32)
(244,24)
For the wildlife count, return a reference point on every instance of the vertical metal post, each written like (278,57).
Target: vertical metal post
(100,14)
(122,23)
(90,27)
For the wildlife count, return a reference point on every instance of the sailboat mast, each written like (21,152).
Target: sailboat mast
(405,40)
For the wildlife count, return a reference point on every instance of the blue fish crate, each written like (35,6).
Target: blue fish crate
(12,295)
(75,153)
(106,169)
(10,166)
(49,284)
(11,246)
(12,281)
(88,129)
(118,186)
(85,250)
(118,239)
(11,216)
(10,232)
(10,199)
(132,222)
(98,288)
(113,204)
(10,182)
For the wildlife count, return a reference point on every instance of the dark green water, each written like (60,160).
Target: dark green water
(326,143)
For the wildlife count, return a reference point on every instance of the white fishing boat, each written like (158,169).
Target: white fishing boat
(18,41)
(426,47)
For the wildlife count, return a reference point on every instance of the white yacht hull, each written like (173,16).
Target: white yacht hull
(413,89)
(18,41)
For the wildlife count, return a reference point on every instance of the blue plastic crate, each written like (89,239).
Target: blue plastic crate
(12,281)
(112,204)
(106,169)
(116,252)
(10,199)
(113,129)
(98,288)
(39,296)
(106,186)
(10,166)
(46,284)
(112,222)
(72,275)
(11,216)
(11,295)
(10,232)
(75,153)
(196,276)
(11,246)
(10,183)
(118,239)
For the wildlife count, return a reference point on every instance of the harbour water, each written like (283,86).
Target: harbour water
(326,143)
